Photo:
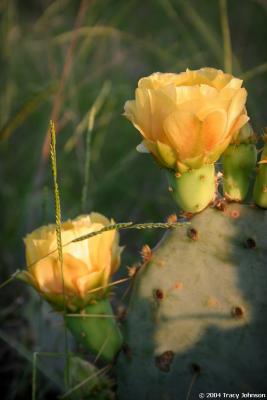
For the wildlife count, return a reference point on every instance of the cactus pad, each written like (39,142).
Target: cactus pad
(197,319)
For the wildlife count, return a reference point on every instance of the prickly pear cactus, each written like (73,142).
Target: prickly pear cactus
(197,320)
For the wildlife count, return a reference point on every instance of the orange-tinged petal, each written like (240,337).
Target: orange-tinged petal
(183,132)
(48,274)
(73,268)
(89,282)
(213,129)
(106,276)
(44,274)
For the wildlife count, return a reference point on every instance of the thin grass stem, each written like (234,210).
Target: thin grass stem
(227,45)
(59,238)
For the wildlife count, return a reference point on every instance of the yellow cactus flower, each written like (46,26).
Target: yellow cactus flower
(187,120)
(87,264)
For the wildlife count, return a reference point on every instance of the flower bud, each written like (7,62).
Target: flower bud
(239,162)
(245,135)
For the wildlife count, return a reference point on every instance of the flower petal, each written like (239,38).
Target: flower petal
(100,247)
(183,132)
(240,122)
(48,274)
(236,107)
(89,282)
(213,130)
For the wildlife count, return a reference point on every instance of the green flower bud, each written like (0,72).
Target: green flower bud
(239,161)
(260,186)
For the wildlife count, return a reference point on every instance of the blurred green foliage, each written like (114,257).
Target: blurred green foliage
(74,61)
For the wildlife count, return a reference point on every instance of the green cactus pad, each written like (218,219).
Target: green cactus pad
(100,333)
(260,186)
(197,319)
(195,189)
(239,162)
